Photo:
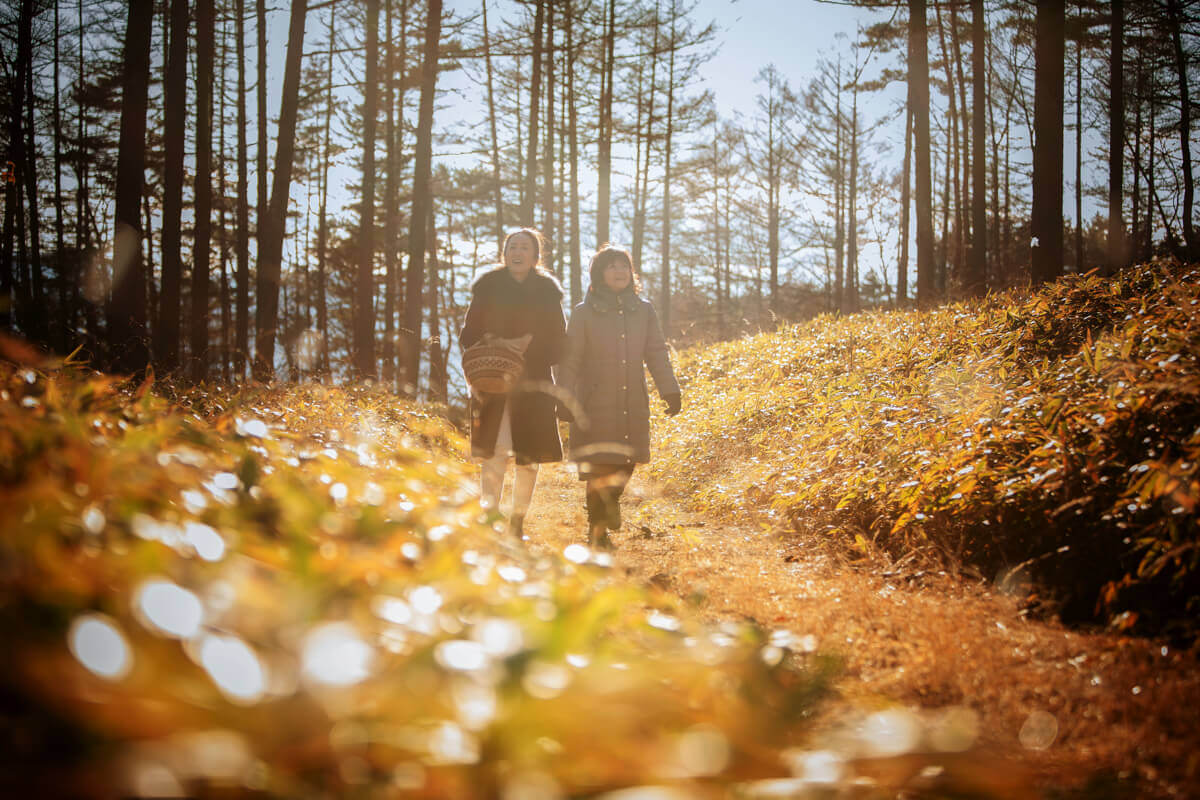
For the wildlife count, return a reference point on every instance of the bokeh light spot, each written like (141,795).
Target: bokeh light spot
(169,608)
(461,655)
(336,655)
(234,667)
(891,732)
(1039,731)
(207,543)
(100,646)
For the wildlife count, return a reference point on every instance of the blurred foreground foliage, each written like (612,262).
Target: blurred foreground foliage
(293,592)
(1050,441)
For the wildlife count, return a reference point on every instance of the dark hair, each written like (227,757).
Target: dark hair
(538,243)
(607,254)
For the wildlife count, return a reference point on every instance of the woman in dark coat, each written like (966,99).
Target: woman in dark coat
(510,301)
(612,334)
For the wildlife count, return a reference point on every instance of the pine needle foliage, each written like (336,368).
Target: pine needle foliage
(293,592)
(1047,440)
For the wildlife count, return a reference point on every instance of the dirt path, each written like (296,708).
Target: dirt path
(1076,707)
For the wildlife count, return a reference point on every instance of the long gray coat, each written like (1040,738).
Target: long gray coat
(609,339)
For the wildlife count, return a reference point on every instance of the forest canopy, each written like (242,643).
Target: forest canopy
(161,209)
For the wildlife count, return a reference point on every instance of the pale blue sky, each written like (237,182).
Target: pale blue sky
(790,34)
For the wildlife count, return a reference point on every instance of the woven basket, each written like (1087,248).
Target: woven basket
(491,368)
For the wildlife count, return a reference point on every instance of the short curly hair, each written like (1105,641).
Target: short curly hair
(607,254)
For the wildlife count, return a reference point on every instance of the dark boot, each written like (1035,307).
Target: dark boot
(612,507)
(516,526)
(598,537)
(597,513)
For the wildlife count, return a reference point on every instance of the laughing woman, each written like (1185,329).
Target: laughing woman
(513,300)
(612,334)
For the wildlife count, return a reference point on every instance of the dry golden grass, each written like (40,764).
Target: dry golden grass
(1124,708)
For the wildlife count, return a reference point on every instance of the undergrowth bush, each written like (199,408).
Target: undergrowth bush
(1052,438)
(293,592)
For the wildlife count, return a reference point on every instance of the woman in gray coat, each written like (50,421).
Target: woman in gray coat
(611,335)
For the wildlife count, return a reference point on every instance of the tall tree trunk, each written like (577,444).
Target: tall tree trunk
(439,378)
(24,306)
(1079,152)
(962,167)
(1134,246)
(7,283)
(271,237)
(241,348)
(716,228)
(573,127)
(529,185)
(1047,223)
(66,333)
(1116,138)
(322,219)
(639,198)
(364,285)
(1185,129)
(37,320)
(491,98)
(641,176)
(128,349)
(948,184)
(422,201)
(151,283)
(170,310)
(1152,113)
(548,216)
(976,273)
(83,215)
(262,198)
(201,251)
(918,92)
(669,124)
(905,204)
(851,210)
(390,241)
(605,132)
(560,194)
(222,205)
(951,187)
(14,176)
(996,245)
(839,198)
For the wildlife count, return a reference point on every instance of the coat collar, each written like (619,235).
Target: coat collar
(499,279)
(605,300)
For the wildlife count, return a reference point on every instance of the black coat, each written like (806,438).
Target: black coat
(508,308)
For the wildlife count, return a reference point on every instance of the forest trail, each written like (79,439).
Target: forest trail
(1116,713)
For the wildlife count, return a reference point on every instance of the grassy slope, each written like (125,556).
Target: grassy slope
(295,592)
(1057,434)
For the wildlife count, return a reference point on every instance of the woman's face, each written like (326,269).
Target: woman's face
(520,254)
(617,274)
